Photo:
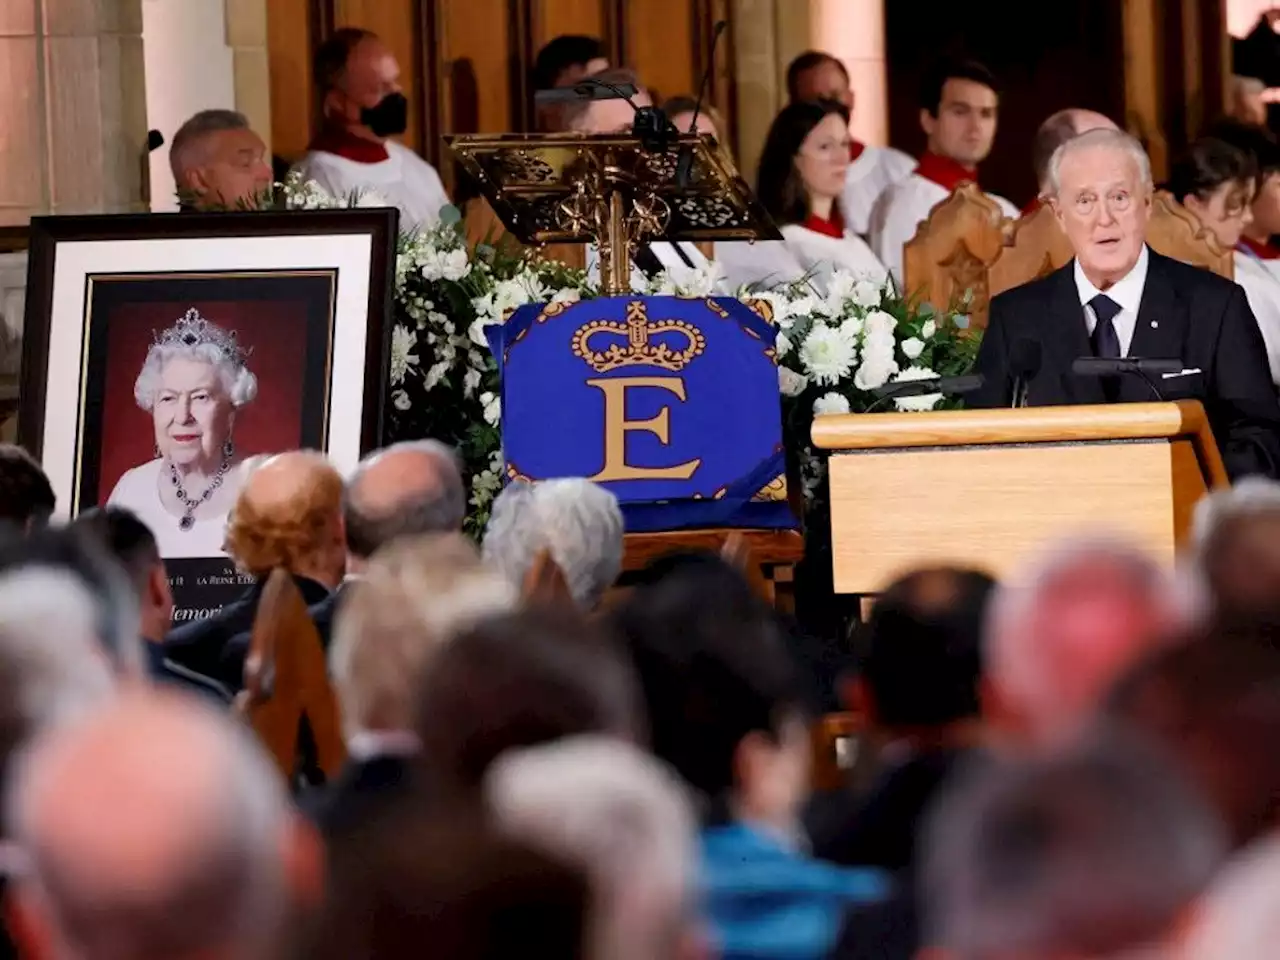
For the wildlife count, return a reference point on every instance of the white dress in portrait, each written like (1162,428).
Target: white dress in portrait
(138,490)
(802,252)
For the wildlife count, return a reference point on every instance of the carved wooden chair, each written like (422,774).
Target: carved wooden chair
(287,679)
(1037,246)
(948,258)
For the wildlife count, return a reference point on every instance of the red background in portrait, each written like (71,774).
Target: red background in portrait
(274,330)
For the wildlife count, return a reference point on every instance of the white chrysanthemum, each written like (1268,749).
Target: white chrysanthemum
(830,403)
(928,330)
(879,323)
(912,347)
(470,381)
(492,405)
(476,332)
(700,282)
(828,355)
(435,374)
(840,287)
(791,384)
(567,295)
(806,306)
(782,308)
(403,340)
(924,402)
(874,372)
(866,294)
(782,345)
(445,265)
(401,400)
(852,327)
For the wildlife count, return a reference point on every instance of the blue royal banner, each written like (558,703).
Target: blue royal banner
(670,403)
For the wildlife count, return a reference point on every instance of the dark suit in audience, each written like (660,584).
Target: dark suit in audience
(364,787)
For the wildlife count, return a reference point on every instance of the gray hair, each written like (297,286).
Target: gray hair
(577,521)
(1100,138)
(232,891)
(622,816)
(52,666)
(188,142)
(239,385)
(440,508)
(1089,852)
(1249,497)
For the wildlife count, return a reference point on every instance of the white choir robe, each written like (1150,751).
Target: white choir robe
(1262,288)
(899,213)
(801,252)
(404,180)
(875,170)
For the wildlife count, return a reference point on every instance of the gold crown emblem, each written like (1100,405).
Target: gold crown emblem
(638,350)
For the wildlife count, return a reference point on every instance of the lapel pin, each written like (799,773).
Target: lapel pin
(1155,324)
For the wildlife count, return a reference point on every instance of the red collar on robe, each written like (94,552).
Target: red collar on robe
(856,149)
(944,171)
(828,228)
(346,144)
(1035,204)
(1263,251)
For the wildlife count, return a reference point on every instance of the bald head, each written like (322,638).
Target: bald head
(289,515)
(1057,130)
(1062,633)
(154,827)
(408,489)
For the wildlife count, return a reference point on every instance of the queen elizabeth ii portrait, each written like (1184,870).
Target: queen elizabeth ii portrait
(193,382)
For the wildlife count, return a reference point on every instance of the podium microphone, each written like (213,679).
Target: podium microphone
(1133,366)
(1024,364)
(950,386)
(651,126)
(684,162)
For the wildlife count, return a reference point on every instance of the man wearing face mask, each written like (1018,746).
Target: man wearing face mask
(358,81)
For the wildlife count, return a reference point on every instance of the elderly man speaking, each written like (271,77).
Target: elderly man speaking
(1118,298)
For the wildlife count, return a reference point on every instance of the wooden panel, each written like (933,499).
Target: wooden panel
(289,45)
(889,512)
(397,22)
(660,46)
(551,18)
(475,60)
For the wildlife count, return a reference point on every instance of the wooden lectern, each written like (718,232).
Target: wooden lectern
(986,487)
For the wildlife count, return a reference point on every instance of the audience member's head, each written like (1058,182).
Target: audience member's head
(804,161)
(421,882)
(577,522)
(1239,918)
(1214,702)
(959,108)
(358,81)
(408,488)
(415,595)
(43,683)
(1236,537)
(1062,629)
(1261,146)
(133,546)
(26,496)
(816,75)
(566,59)
(920,668)
(289,515)
(680,111)
(1088,854)
(606,116)
(115,606)
(155,827)
(612,810)
(218,162)
(1057,130)
(1215,182)
(518,680)
(1246,101)
(1099,185)
(724,698)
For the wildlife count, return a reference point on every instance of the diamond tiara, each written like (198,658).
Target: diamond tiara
(193,330)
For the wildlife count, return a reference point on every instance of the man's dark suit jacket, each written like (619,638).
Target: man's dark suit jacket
(1186,314)
(361,789)
(202,646)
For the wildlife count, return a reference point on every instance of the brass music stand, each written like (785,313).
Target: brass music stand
(608,189)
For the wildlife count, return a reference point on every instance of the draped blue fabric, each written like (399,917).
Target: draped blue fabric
(670,403)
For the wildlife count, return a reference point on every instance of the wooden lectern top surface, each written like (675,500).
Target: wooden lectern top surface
(1063,424)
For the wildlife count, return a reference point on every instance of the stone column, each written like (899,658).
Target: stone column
(854,32)
(74,111)
(767,34)
(247,38)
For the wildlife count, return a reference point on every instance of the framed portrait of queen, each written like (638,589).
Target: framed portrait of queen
(163,354)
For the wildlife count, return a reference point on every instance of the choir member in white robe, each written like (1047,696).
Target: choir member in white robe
(1215,181)
(815,75)
(364,107)
(682,260)
(801,182)
(958,116)
(1261,145)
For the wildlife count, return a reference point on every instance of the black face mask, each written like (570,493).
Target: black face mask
(389,118)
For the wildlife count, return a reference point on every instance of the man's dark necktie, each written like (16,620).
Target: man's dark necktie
(1104,340)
